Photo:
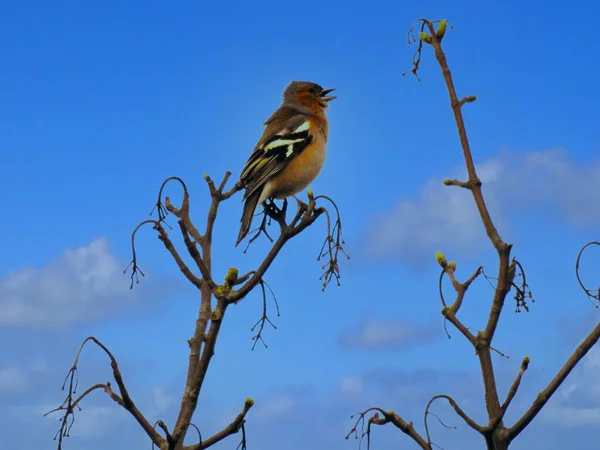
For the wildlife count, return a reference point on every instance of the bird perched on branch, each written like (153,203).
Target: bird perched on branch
(291,151)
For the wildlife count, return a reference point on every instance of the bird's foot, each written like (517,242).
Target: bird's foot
(273,211)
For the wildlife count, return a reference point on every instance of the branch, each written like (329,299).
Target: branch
(209,320)
(515,386)
(123,400)
(509,397)
(135,269)
(449,312)
(456,106)
(562,374)
(591,293)
(388,417)
(305,217)
(332,245)
(264,319)
(484,340)
(164,238)
(230,429)
(458,411)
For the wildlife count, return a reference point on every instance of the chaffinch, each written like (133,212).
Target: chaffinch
(291,151)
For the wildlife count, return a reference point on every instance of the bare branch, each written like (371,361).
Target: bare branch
(551,388)
(264,318)
(332,245)
(450,315)
(522,290)
(124,400)
(164,238)
(511,394)
(135,269)
(305,217)
(458,183)
(388,417)
(449,312)
(591,293)
(474,425)
(184,227)
(235,426)
(168,436)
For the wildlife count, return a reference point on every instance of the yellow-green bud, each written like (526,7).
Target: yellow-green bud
(441,259)
(232,275)
(452,265)
(249,402)
(441,31)
(425,38)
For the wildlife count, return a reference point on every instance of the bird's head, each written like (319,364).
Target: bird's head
(308,93)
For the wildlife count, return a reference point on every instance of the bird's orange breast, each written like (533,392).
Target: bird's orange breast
(300,171)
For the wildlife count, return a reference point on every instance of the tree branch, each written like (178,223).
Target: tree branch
(493,424)
(230,429)
(307,218)
(123,400)
(164,238)
(474,425)
(551,388)
(388,417)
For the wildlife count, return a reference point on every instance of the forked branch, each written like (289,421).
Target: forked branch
(71,402)
(214,301)
(360,431)
(550,389)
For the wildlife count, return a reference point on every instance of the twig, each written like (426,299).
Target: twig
(551,388)
(458,411)
(124,400)
(234,427)
(264,318)
(591,293)
(388,417)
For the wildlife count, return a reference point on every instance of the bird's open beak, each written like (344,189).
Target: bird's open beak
(326,97)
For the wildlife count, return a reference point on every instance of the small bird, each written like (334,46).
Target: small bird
(291,151)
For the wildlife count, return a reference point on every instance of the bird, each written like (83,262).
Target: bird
(291,151)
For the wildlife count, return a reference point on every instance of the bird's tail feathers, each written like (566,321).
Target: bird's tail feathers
(247,214)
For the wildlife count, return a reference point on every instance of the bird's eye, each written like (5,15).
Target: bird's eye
(312,91)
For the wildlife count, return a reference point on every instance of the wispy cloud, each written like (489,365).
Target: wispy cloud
(12,378)
(83,283)
(446,217)
(386,334)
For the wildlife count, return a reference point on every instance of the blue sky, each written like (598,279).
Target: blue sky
(99,102)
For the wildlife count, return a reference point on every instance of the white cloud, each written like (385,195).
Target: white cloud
(162,400)
(275,406)
(83,283)
(385,334)
(12,378)
(91,422)
(351,385)
(569,417)
(445,218)
(18,380)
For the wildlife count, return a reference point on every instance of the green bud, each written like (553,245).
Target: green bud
(425,38)
(441,31)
